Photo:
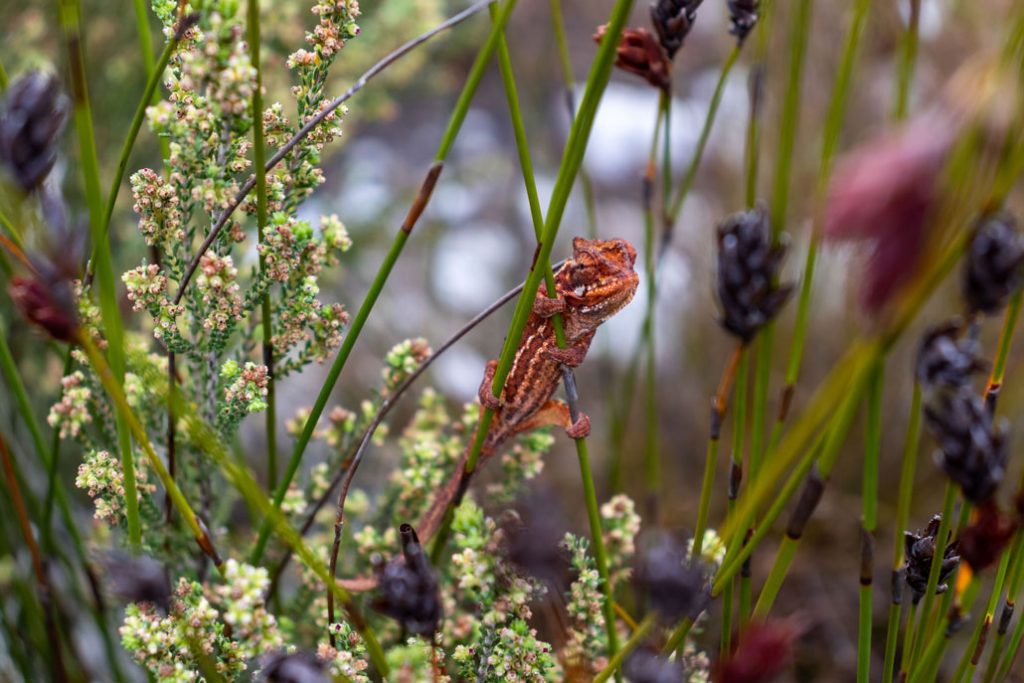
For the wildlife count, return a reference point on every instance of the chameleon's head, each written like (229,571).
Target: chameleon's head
(599,278)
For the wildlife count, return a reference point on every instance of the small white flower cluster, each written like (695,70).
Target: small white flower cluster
(337,24)
(241,597)
(217,286)
(621,524)
(156,202)
(245,392)
(348,659)
(147,290)
(102,477)
(587,638)
(71,412)
(402,360)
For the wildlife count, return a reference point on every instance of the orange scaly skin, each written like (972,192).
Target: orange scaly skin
(590,288)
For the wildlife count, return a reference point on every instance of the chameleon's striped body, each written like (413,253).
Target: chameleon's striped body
(590,288)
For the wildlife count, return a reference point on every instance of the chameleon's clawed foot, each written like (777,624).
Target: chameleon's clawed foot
(571,356)
(580,429)
(545,306)
(487,398)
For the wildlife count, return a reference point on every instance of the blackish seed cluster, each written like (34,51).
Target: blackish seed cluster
(646,666)
(919,549)
(743,15)
(672,20)
(407,588)
(31,117)
(675,586)
(972,451)
(994,264)
(946,359)
(748,270)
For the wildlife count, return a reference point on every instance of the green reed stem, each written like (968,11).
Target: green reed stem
(719,406)
(972,654)
(569,80)
(55,488)
(582,451)
(691,171)
(638,636)
(572,158)
(1002,657)
(933,573)
(241,478)
(869,519)
(110,313)
(906,490)
(652,459)
(907,59)
(927,668)
(995,379)
(114,389)
(832,445)
(369,301)
(735,476)
(259,164)
(148,94)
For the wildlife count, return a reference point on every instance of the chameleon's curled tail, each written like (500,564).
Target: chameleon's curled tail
(447,497)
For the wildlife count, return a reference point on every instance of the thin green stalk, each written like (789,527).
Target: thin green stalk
(569,80)
(114,389)
(735,476)
(907,60)
(972,654)
(3,78)
(1002,657)
(691,171)
(582,452)
(107,288)
(719,405)
(812,494)
(652,459)
(259,165)
(129,143)
(572,159)
(239,476)
(638,636)
(933,573)
(995,379)
(448,139)
(869,519)
(906,489)
(927,668)
(790,115)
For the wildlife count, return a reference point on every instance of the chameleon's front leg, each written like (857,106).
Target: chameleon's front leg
(486,393)
(546,306)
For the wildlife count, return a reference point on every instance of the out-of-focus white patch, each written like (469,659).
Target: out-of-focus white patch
(932,19)
(621,137)
(470,265)
(458,372)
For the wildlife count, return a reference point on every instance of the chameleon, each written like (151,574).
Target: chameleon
(592,286)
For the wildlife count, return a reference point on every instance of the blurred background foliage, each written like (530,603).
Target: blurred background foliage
(476,240)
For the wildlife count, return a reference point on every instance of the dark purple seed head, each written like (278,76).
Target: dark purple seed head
(32,116)
(748,270)
(994,264)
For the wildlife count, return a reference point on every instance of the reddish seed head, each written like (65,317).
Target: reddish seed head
(47,305)
(640,53)
(882,194)
(763,652)
(983,542)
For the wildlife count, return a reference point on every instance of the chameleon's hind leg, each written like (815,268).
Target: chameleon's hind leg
(556,412)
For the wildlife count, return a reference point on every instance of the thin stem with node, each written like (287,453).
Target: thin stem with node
(397,245)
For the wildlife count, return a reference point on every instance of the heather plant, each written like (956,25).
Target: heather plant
(166,361)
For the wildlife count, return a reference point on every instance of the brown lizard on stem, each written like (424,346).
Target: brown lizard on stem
(592,286)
